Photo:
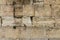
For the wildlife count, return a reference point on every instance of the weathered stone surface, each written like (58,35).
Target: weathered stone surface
(56,11)
(19,11)
(6,10)
(37,1)
(6,1)
(54,33)
(24,21)
(18,22)
(44,11)
(49,1)
(7,21)
(28,10)
(33,33)
(26,2)
(8,32)
(43,22)
(54,38)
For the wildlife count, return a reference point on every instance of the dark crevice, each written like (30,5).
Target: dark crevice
(31,18)
(14,8)
(14,27)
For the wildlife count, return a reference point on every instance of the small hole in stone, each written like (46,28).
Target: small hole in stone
(14,27)
(31,18)
(50,5)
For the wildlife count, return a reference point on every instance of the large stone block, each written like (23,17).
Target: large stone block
(38,33)
(27,21)
(18,2)
(28,10)
(43,22)
(43,11)
(49,1)
(7,21)
(33,33)
(19,11)
(54,38)
(38,1)
(53,33)
(8,32)
(26,2)
(6,1)
(6,10)
(18,22)
(56,11)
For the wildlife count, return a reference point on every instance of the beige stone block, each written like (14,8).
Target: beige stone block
(43,22)
(56,11)
(2,1)
(7,21)
(9,2)
(38,1)
(49,1)
(18,22)
(28,10)
(42,11)
(6,14)
(6,1)
(19,11)
(25,33)
(57,1)
(8,32)
(18,2)
(53,33)
(33,33)
(38,33)
(57,23)
(26,2)
(26,21)
(6,10)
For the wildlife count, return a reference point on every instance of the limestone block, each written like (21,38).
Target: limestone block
(49,1)
(56,11)
(57,1)
(8,32)
(33,33)
(37,1)
(53,33)
(57,23)
(26,21)
(18,22)
(42,11)
(8,39)
(43,22)
(39,39)
(38,33)
(9,2)
(33,38)
(6,1)
(6,10)
(2,1)
(19,11)
(54,38)
(26,2)
(28,10)
(18,2)
(25,33)
(7,21)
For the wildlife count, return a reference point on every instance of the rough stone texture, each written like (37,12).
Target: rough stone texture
(29,19)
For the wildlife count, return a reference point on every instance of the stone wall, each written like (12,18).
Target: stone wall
(29,19)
